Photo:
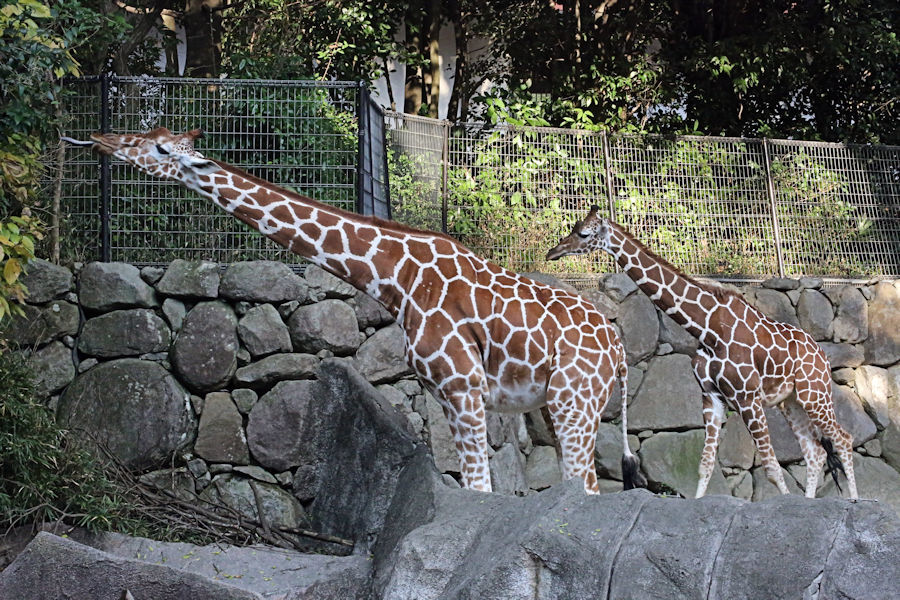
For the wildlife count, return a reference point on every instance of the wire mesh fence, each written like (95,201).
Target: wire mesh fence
(303,135)
(726,208)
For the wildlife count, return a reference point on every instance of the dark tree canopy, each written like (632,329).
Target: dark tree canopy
(813,69)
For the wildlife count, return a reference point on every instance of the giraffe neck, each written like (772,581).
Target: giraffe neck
(687,302)
(362,251)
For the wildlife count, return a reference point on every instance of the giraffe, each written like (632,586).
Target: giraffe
(477,335)
(745,360)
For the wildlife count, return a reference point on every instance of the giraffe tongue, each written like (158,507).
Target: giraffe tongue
(75,142)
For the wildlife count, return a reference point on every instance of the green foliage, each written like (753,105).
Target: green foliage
(802,70)
(17,238)
(415,198)
(702,204)
(43,475)
(328,40)
(820,223)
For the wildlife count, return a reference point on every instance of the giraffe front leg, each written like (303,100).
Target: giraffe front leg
(755,419)
(465,414)
(713,415)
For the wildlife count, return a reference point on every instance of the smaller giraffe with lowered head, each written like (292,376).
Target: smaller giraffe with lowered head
(477,335)
(745,360)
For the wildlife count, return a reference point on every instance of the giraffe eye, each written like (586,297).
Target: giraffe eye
(161,150)
(582,234)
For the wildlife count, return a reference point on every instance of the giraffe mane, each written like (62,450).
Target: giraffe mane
(366,219)
(718,291)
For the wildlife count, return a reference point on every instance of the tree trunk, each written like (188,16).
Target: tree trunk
(460,74)
(203,29)
(142,23)
(434,57)
(412,93)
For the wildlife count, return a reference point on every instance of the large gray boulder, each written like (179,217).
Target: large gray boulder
(46,281)
(362,444)
(874,386)
(851,322)
(669,396)
(56,567)
(328,325)
(882,347)
(382,357)
(842,355)
(640,327)
(672,460)
(262,281)
(190,279)
(816,315)
(220,435)
(347,443)
(273,573)
(454,544)
(323,284)
(369,312)
(278,367)
(133,407)
(107,286)
(52,367)
(263,332)
(129,332)
(279,422)
(41,324)
(205,351)
(773,304)
(255,500)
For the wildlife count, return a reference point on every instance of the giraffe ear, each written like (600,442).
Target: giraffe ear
(200,165)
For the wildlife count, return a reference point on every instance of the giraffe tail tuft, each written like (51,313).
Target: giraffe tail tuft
(833,462)
(631,466)
(631,473)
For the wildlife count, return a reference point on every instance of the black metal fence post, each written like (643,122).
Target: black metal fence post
(105,179)
(445,169)
(773,207)
(362,115)
(607,173)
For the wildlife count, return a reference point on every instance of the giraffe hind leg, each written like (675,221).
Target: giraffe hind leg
(815,397)
(806,435)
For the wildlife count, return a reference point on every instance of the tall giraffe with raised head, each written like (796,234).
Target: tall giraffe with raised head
(745,360)
(478,336)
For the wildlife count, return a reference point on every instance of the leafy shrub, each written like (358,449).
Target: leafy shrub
(44,477)
(17,238)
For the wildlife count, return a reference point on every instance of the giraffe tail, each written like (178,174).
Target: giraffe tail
(631,465)
(833,462)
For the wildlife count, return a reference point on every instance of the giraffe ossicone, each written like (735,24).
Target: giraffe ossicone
(477,335)
(745,360)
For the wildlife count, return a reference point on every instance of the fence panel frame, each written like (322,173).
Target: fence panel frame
(766,204)
(119,95)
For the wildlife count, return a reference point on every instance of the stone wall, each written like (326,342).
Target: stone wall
(220,369)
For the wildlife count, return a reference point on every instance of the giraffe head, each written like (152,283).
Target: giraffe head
(159,153)
(589,235)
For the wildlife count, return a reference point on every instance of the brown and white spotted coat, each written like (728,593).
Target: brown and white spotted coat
(478,336)
(745,360)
